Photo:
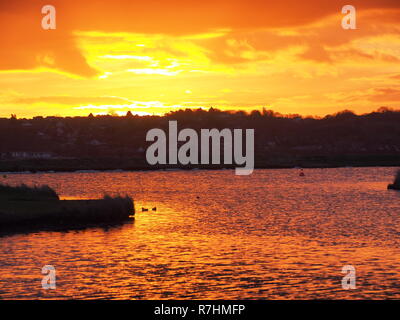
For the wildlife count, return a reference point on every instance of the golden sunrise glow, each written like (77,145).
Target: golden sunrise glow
(105,62)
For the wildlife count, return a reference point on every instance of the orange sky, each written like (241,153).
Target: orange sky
(155,56)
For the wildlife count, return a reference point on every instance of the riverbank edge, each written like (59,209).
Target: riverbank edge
(44,166)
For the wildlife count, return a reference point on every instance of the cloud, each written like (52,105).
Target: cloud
(385,94)
(67,100)
(324,41)
(26,46)
(372,95)
(289,54)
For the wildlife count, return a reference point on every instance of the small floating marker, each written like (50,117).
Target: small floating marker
(301,173)
(154,209)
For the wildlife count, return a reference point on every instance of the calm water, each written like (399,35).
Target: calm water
(271,235)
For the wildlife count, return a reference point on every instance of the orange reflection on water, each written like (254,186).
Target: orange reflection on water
(271,235)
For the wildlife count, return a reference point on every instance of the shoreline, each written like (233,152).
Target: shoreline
(283,165)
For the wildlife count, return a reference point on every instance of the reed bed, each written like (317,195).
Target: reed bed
(24,206)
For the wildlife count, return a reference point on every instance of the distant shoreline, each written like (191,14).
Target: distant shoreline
(127,165)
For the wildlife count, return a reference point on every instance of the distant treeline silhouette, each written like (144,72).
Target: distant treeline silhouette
(106,141)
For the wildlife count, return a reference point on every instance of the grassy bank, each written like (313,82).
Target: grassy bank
(267,161)
(24,207)
(396,184)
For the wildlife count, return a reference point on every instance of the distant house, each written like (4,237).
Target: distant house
(95,142)
(27,155)
(307,148)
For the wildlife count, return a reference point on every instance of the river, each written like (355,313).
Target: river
(215,235)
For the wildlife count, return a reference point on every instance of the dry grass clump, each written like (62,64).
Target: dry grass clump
(108,209)
(24,206)
(24,192)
